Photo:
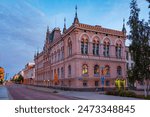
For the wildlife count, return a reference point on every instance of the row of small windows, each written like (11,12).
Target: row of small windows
(59,72)
(85,70)
(97,70)
(96,45)
(84,49)
(96,83)
(57,56)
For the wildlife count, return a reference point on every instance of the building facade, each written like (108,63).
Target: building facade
(82,57)
(29,73)
(1,75)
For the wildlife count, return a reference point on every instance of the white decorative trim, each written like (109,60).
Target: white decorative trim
(84,34)
(97,37)
(117,40)
(105,38)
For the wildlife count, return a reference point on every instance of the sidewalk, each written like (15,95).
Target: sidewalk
(83,95)
(4,94)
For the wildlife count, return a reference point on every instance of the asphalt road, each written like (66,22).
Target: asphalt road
(3,93)
(20,92)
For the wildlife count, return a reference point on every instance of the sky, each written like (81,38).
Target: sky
(23,24)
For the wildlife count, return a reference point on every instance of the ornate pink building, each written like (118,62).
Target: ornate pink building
(78,57)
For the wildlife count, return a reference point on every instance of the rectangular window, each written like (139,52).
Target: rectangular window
(107,83)
(96,83)
(85,84)
(62,54)
(107,50)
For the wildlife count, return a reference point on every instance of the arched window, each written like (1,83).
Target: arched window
(69,47)
(96,70)
(55,56)
(58,55)
(52,58)
(118,50)
(106,49)
(119,70)
(95,47)
(84,69)
(62,49)
(84,46)
(58,73)
(107,70)
(69,70)
(62,72)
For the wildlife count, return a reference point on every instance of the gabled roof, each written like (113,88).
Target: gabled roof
(55,34)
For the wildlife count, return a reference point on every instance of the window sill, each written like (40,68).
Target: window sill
(107,75)
(85,75)
(96,75)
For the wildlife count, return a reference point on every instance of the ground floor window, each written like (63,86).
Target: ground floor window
(96,83)
(69,83)
(85,84)
(62,83)
(107,83)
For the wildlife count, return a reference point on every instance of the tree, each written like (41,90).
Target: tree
(149,7)
(1,81)
(149,3)
(131,78)
(20,79)
(140,47)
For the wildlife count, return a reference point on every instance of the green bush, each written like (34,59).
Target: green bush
(130,94)
(126,94)
(121,93)
(143,97)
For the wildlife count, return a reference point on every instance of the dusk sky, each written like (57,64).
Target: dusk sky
(23,23)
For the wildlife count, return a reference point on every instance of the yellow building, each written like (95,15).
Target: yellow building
(1,74)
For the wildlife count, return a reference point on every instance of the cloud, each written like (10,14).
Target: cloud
(22,31)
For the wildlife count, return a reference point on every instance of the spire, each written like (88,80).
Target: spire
(123,28)
(47,35)
(64,29)
(76,20)
(47,28)
(76,16)
(35,54)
